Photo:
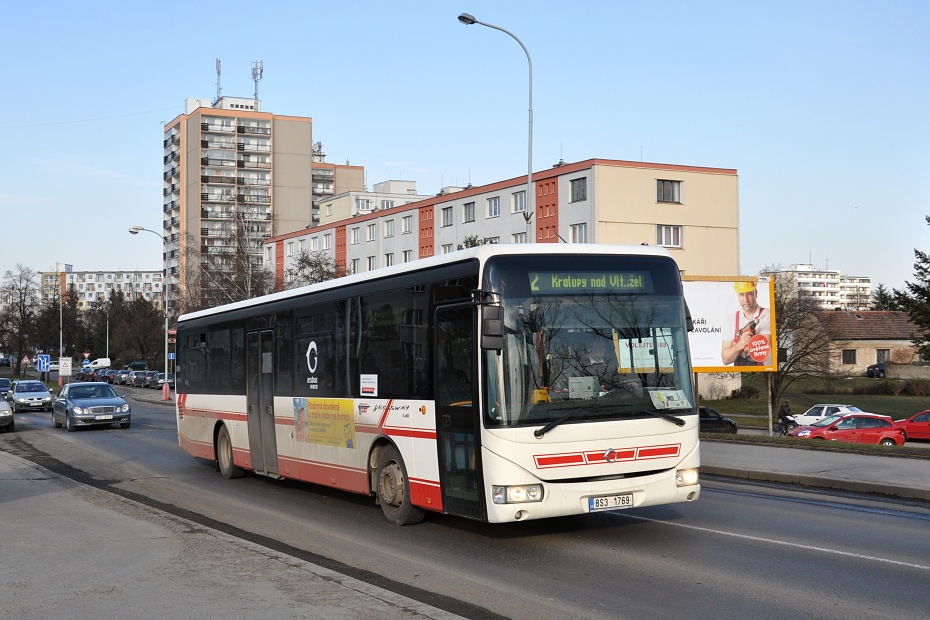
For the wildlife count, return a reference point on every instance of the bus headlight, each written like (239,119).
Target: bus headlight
(517,494)
(686,477)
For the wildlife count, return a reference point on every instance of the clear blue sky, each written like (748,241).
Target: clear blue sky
(820,105)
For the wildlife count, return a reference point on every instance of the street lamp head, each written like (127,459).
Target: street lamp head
(467,19)
(135,230)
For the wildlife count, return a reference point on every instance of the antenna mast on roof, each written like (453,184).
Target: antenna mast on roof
(219,89)
(257,68)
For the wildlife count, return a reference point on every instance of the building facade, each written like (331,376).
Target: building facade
(692,211)
(96,286)
(234,176)
(831,289)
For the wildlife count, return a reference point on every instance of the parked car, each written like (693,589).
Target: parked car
(917,426)
(7,423)
(29,395)
(120,376)
(141,377)
(136,365)
(819,412)
(90,404)
(158,381)
(712,422)
(855,428)
(149,378)
(131,377)
(4,387)
(53,366)
(876,370)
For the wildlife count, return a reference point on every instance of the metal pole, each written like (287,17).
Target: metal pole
(166,388)
(468,20)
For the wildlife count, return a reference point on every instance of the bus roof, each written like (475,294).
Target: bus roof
(480,253)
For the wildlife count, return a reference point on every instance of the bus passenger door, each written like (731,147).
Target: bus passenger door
(260,401)
(457,411)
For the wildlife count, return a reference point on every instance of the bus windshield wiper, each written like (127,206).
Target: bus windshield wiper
(539,432)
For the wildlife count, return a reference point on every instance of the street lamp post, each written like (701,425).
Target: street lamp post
(166,388)
(468,20)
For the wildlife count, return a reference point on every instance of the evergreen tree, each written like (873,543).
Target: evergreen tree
(915,300)
(883,299)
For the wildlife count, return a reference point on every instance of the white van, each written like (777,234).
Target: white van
(100,362)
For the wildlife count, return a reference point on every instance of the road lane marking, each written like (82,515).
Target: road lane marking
(784,543)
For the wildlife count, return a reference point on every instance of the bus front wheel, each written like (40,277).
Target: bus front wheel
(394,490)
(224,455)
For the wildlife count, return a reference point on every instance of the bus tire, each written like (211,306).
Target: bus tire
(394,490)
(224,455)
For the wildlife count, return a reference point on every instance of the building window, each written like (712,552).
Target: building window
(353,235)
(518,238)
(362,204)
(446,214)
(668,236)
(389,228)
(314,244)
(372,263)
(446,248)
(849,356)
(388,259)
(300,245)
(268,254)
(406,224)
(494,207)
(668,191)
(329,209)
(579,233)
(355,265)
(387,204)
(408,256)
(882,356)
(518,202)
(487,240)
(290,248)
(327,241)
(468,212)
(370,232)
(579,189)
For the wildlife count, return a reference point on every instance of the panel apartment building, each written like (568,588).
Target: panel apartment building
(234,176)
(831,289)
(96,286)
(692,211)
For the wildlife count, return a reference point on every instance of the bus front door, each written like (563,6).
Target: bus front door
(456,411)
(260,399)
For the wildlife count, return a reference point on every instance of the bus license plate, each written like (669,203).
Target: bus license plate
(103,417)
(610,502)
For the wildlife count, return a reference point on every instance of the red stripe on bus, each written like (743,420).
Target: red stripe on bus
(615,455)
(385,413)
(410,432)
(559,460)
(653,452)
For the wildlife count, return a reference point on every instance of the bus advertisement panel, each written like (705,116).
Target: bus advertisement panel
(499,383)
(734,323)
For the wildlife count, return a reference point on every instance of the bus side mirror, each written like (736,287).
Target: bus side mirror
(492,327)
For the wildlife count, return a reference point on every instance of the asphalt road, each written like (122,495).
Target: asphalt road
(743,550)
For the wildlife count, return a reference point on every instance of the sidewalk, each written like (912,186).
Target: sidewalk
(889,475)
(73,551)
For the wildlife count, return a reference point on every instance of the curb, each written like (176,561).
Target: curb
(818,482)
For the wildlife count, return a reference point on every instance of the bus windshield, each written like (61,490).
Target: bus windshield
(591,338)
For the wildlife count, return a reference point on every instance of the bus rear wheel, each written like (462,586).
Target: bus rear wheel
(394,490)
(224,455)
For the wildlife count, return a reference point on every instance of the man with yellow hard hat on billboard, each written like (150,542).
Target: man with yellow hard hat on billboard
(739,346)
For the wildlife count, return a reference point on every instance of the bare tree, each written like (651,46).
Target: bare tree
(312,267)
(803,337)
(18,319)
(225,265)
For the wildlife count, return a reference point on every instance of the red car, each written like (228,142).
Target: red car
(855,428)
(917,426)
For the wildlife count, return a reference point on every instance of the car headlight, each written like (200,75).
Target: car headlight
(47,399)
(4,412)
(517,494)
(77,410)
(125,408)
(686,477)
(803,433)
(20,400)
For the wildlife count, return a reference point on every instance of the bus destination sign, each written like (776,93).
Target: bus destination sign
(588,281)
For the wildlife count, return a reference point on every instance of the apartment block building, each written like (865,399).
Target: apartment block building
(234,176)
(692,211)
(96,286)
(830,287)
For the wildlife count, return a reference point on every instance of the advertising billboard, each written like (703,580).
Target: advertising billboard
(734,323)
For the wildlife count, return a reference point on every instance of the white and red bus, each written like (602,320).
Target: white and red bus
(499,383)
